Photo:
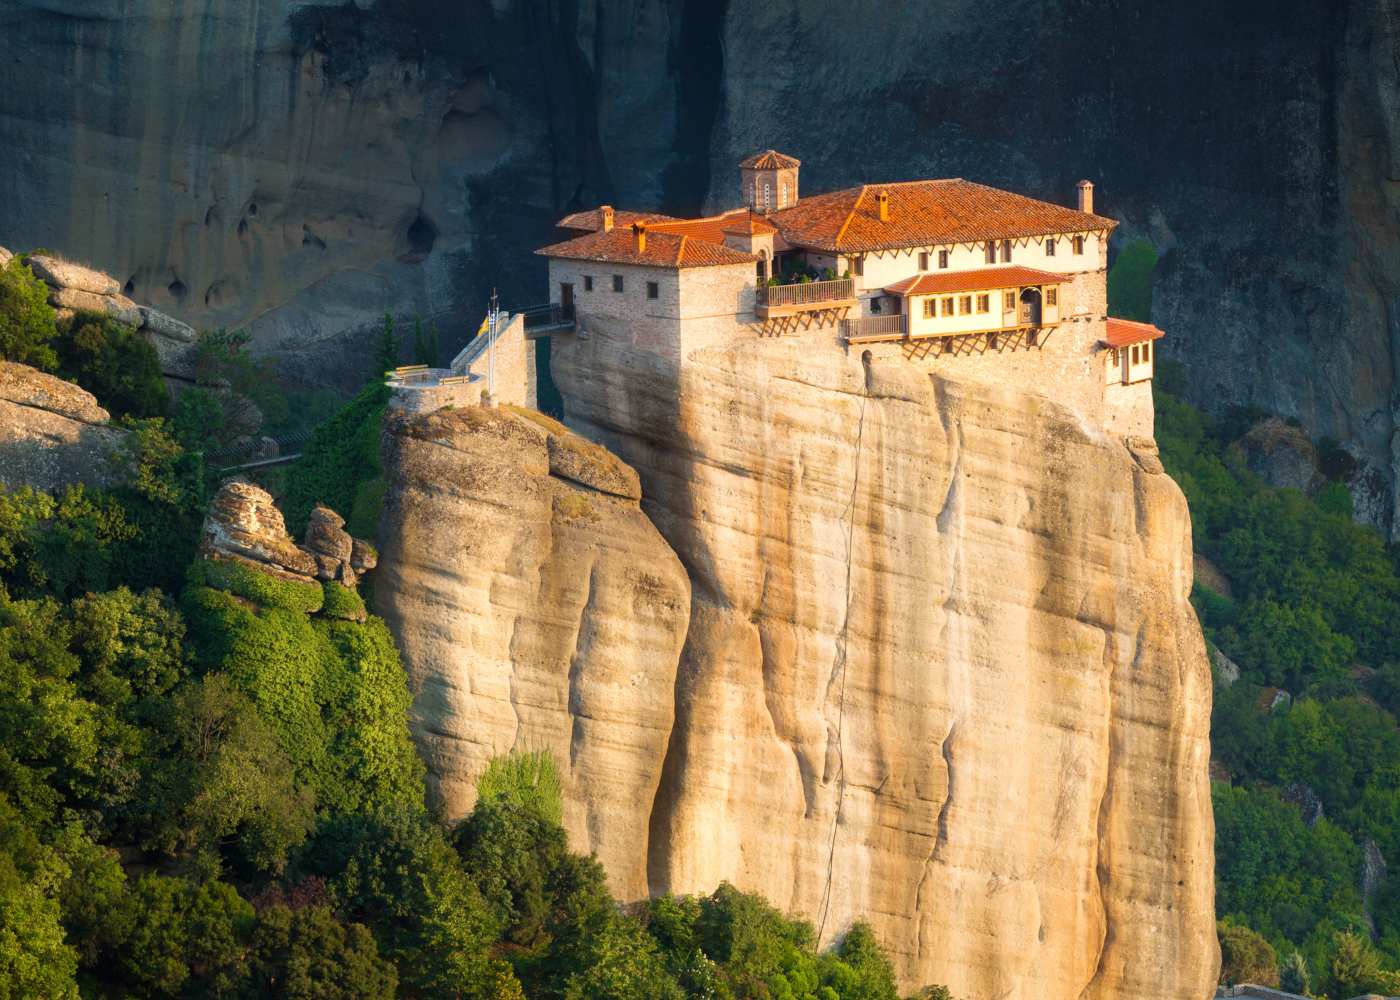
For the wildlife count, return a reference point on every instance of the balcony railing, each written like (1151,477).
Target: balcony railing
(874,328)
(808,293)
(553,316)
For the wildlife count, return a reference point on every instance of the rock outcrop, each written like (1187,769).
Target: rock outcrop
(75,288)
(1281,455)
(244,525)
(941,670)
(53,434)
(536,607)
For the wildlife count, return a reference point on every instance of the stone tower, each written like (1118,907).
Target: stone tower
(769,181)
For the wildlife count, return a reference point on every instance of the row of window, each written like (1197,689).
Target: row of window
(1137,357)
(945,306)
(653,289)
(991,251)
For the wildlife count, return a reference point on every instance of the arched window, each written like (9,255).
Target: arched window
(767,195)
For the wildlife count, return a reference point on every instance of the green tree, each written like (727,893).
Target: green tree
(26,319)
(1130,281)
(308,954)
(340,465)
(386,355)
(1245,957)
(1293,974)
(114,363)
(1356,967)
(35,960)
(185,938)
(526,780)
(223,780)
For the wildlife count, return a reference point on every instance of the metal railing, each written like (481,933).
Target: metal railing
(549,315)
(807,293)
(874,326)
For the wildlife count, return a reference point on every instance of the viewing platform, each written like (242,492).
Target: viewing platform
(551,317)
(420,389)
(773,301)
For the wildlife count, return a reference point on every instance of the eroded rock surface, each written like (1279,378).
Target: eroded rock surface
(245,525)
(53,434)
(536,607)
(941,671)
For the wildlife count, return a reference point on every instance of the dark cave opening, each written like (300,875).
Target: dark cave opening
(422,234)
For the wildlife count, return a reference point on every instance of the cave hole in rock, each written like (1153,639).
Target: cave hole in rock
(310,239)
(129,289)
(212,215)
(253,209)
(242,227)
(177,290)
(422,234)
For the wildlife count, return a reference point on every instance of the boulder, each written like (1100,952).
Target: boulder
(1282,455)
(166,326)
(118,307)
(61,274)
(1227,671)
(1308,802)
(244,524)
(327,539)
(5,256)
(53,434)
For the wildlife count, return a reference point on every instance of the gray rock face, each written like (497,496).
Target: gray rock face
(1281,455)
(53,434)
(59,274)
(1277,225)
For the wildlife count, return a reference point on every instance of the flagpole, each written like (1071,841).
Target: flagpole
(491,347)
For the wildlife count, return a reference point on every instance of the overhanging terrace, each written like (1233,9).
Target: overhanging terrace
(774,301)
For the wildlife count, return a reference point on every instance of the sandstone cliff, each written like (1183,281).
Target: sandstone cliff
(939,667)
(536,608)
(53,434)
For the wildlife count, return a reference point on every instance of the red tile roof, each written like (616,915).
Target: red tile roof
(1125,332)
(925,213)
(619,246)
(980,280)
(770,159)
(713,228)
(592,220)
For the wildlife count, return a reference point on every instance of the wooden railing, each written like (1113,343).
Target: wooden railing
(873,326)
(807,293)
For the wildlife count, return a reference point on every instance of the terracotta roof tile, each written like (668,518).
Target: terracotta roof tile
(1125,332)
(770,159)
(591,220)
(925,213)
(713,228)
(979,280)
(619,246)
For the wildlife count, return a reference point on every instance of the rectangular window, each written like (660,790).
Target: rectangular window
(984,303)
(928,308)
(617,282)
(1049,246)
(948,307)
(991,253)
(653,290)
(943,259)
(1113,357)
(1010,300)
(1079,244)
(1135,354)
(858,266)
(1006,251)
(923,261)
(588,282)
(965,305)
(1147,352)
(1052,296)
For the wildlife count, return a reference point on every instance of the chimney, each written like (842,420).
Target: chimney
(607,211)
(884,199)
(1086,197)
(639,229)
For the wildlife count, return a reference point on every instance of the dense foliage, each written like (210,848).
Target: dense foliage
(1315,775)
(207,786)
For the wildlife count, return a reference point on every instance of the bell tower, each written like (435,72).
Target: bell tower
(769,181)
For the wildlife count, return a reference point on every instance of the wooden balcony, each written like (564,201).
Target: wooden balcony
(873,329)
(786,300)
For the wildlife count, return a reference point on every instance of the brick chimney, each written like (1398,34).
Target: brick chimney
(607,211)
(884,200)
(639,229)
(1086,197)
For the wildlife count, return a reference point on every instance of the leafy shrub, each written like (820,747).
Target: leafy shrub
(114,363)
(1245,957)
(524,780)
(261,588)
(341,458)
(26,319)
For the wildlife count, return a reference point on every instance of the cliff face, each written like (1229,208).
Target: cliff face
(941,668)
(300,166)
(536,608)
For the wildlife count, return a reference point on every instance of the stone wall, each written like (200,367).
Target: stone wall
(514,366)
